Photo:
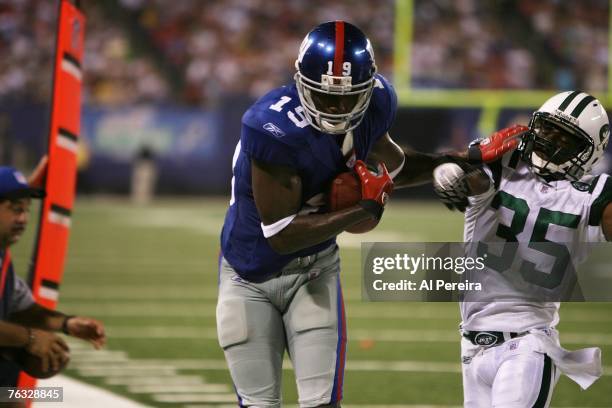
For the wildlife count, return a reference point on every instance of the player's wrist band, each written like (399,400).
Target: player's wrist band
(474,155)
(65,324)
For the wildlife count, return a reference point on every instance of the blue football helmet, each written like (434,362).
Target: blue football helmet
(335,76)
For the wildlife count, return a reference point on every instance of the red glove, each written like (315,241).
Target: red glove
(496,145)
(375,188)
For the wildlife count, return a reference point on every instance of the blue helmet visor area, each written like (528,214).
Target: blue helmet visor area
(330,103)
(334,108)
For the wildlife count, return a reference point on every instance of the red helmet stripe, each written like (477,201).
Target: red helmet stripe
(339,54)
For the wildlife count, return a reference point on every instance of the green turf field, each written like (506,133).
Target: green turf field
(150,274)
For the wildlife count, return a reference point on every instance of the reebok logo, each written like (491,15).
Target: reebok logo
(275,130)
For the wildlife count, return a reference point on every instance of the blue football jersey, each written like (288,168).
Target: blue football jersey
(276,131)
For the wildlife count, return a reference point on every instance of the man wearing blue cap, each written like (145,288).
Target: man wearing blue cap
(27,328)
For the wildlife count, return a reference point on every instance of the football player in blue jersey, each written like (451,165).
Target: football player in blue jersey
(279,285)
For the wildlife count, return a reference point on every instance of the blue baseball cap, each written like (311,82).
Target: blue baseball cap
(14,185)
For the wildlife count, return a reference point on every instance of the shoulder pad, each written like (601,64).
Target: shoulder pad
(384,102)
(278,114)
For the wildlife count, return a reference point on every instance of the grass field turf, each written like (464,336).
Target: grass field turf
(150,274)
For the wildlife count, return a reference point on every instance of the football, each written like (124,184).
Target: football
(344,192)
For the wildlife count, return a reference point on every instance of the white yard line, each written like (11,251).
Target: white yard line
(167,386)
(354,240)
(147,376)
(180,388)
(124,370)
(155,261)
(386,335)
(174,365)
(78,394)
(110,291)
(178,398)
(156,309)
(156,380)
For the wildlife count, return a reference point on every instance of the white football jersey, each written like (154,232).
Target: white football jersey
(521,207)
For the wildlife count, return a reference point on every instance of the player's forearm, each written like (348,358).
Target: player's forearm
(39,317)
(312,229)
(418,167)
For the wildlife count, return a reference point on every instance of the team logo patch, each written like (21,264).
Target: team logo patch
(275,130)
(485,339)
(580,186)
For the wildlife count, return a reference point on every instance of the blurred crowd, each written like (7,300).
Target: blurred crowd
(238,46)
(114,72)
(510,44)
(196,52)
(26,44)
(214,48)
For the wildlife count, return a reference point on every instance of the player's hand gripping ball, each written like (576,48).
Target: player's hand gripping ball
(450,185)
(347,190)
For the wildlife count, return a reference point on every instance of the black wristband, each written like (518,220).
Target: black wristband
(373,207)
(65,324)
(474,154)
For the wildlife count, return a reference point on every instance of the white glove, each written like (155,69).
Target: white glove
(450,185)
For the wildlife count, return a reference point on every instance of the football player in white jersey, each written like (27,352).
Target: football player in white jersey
(542,191)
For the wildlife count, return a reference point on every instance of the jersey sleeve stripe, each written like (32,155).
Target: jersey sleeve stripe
(600,203)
